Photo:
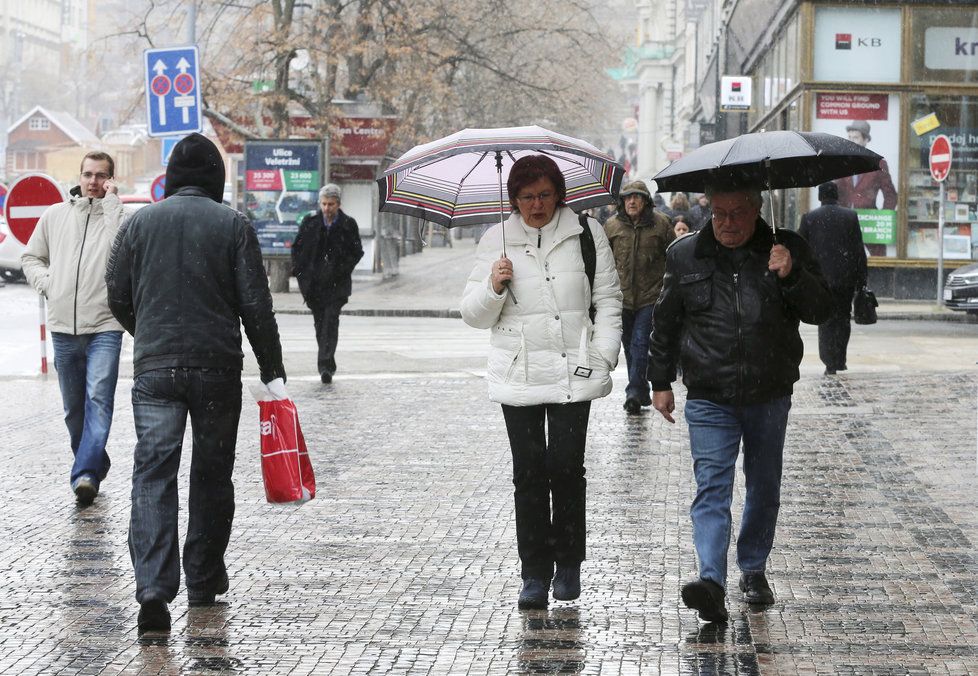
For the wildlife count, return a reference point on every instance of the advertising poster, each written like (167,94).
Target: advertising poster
(282,181)
(873,121)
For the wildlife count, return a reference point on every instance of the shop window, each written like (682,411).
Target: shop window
(958,119)
(945,45)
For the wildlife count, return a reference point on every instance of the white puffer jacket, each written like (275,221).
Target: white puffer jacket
(544,350)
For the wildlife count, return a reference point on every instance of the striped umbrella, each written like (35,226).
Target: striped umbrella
(458,180)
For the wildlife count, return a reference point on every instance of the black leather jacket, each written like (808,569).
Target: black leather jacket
(734,329)
(184,274)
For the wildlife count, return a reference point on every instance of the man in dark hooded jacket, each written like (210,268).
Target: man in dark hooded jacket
(183,276)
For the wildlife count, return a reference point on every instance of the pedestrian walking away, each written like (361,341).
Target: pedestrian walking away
(833,233)
(729,313)
(184,275)
(324,254)
(65,261)
(639,235)
(547,361)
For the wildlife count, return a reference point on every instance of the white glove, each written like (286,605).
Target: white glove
(276,388)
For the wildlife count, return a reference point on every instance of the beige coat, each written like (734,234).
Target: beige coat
(65,261)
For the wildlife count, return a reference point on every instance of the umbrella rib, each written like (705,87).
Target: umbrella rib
(461,182)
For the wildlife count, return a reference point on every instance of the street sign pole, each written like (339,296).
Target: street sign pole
(940,247)
(939,159)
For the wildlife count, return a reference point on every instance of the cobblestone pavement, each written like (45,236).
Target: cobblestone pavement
(405,562)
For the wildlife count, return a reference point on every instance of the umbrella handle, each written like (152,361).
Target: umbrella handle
(502,221)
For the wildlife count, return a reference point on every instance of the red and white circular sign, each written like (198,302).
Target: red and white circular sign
(940,158)
(27,199)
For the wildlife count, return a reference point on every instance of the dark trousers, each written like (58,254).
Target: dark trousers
(833,335)
(550,489)
(636,328)
(161,401)
(326,319)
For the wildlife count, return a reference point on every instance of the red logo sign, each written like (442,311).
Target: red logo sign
(843,40)
(29,197)
(940,158)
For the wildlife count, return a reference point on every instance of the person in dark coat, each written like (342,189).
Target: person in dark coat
(184,275)
(835,237)
(324,254)
(728,312)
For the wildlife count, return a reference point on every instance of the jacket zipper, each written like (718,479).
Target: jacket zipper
(635,245)
(81,252)
(740,338)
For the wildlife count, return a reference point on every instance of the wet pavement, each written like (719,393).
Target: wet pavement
(405,563)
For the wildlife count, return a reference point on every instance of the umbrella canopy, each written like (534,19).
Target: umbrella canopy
(455,180)
(770,159)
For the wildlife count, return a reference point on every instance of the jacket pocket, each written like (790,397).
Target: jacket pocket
(697,290)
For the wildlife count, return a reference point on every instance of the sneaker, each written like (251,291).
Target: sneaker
(756,589)
(567,582)
(153,616)
(198,597)
(85,490)
(534,594)
(830,372)
(705,597)
(632,406)
(327,378)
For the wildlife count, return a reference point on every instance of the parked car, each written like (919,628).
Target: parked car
(10,251)
(961,289)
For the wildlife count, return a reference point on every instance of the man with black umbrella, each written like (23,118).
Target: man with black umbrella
(728,313)
(835,237)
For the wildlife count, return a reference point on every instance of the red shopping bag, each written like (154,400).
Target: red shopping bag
(285,464)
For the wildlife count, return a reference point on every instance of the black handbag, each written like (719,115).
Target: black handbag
(864,306)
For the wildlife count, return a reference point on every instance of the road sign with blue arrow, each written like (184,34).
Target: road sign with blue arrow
(172,91)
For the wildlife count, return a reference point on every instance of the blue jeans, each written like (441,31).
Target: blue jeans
(161,401)
(636,327)
(715,433)
(88,371)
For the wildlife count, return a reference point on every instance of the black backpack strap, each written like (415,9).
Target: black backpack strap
(589,254)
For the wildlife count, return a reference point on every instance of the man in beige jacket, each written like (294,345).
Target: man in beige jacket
(65,261)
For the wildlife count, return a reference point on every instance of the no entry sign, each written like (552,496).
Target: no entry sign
(940,158)
(27,199)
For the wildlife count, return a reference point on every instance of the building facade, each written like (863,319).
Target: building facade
(863,70)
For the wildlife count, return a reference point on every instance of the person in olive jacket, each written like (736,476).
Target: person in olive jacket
(732,298)
(324,254)
(639,235)
(183,276)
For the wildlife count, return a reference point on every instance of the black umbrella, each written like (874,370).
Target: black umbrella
(769,160)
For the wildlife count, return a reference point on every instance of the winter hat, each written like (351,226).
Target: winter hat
(196,161)
(636,188)
(862,126)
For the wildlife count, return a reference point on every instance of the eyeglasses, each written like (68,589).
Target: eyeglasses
(88,176)
(723,216)
(530,199)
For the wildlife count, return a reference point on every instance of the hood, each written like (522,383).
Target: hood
(196,162)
